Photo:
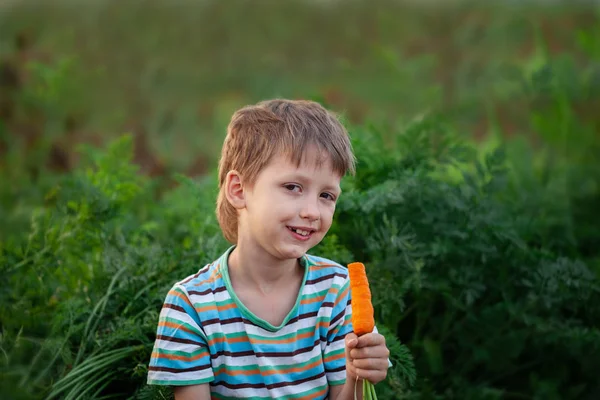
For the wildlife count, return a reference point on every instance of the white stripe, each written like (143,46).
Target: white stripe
(171,313)
(181,283)
(323,285)
(278,393)
(336,376)
(248,392)
(209,298)
(182,317)
(181,376)
(275,393)
(175,346)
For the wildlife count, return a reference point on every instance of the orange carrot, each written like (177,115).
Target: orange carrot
(363,319)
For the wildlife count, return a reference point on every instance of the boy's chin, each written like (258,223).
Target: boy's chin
(295,251)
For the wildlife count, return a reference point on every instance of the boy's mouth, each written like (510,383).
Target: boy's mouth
(304,232)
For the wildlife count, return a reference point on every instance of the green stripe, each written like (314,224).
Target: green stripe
(282,337)
(181,353)
(216,303)
(336,383)
(341,288)
(221,335)
(225,367)
(333,353)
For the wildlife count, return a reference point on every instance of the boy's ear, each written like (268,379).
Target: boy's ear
(234,190)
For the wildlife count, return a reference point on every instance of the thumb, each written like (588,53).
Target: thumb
(351,340)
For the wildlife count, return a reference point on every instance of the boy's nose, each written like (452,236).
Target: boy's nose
(310,210)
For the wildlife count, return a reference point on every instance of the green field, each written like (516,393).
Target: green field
(475,202)
(177,72)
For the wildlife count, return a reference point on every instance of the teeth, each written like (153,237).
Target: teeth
(300,232)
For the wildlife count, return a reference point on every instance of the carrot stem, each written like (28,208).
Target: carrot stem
(373,394)
(366,391)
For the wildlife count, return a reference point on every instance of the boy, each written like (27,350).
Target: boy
(267,320)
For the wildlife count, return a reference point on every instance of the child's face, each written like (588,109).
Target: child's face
(290,209)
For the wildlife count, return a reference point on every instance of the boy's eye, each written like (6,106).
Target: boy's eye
(329,196)
(292,187)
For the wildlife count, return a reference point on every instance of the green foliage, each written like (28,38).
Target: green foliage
(89,282)
(483,257)
(490,279)
(477,295)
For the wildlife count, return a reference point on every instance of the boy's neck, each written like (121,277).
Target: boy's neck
(252,268)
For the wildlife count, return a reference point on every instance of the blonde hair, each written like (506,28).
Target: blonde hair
(259,132)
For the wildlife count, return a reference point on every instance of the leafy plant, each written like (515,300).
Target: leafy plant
(483,255)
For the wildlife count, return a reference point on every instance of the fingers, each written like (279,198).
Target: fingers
(372,375)
(374,370)
(367,356)
(369,352)
(371,339)
(370,364)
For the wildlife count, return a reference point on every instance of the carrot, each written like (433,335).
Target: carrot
(363,320)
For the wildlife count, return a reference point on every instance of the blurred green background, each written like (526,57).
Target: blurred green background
(488,263)
(173,73)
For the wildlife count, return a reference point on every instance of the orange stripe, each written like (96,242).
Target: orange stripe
(213,276)
(240,339)
(282,341)
(212,307)
(322,324)
(292,369)
(323,391)
(335,357)
(342,296)
(244,339)
(177,357)
(181,296)
(246,372)
(312,300)
(322,264)
(334,290)
(176,326)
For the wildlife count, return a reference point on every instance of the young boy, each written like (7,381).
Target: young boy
(266,319)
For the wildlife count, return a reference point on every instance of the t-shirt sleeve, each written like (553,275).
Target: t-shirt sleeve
(340,325)
(180,355)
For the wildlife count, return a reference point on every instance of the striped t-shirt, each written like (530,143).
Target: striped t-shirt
(206,335)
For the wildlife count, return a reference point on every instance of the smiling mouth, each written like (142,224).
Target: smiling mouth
(301,232)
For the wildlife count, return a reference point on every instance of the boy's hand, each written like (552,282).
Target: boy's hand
(366,357)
